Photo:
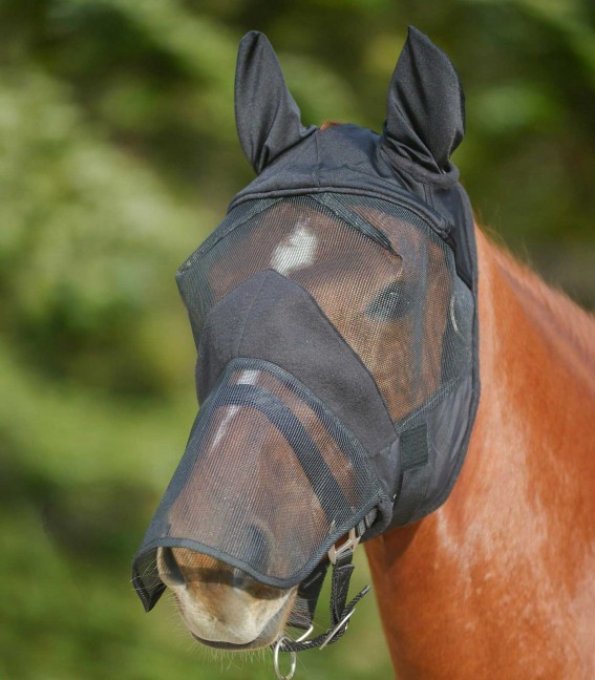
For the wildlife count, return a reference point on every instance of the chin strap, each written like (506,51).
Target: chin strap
(341,611)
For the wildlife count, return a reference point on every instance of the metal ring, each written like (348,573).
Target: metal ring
(342,624)
(292,661)
(303,636)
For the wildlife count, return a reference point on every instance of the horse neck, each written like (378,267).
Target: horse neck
(499,577)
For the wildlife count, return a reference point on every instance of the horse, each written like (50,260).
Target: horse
(497,580)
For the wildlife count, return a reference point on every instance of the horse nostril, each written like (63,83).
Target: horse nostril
(172,573)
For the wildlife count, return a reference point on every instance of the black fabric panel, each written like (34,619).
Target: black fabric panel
(269,317)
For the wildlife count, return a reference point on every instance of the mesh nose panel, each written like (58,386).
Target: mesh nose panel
(269,481)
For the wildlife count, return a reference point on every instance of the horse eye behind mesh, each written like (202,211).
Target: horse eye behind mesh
(394,302)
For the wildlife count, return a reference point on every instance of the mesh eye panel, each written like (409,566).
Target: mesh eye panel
(263,447)
(383,278)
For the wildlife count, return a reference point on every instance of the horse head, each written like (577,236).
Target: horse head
(333,312)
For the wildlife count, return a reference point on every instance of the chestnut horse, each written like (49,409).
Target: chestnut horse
(499,581)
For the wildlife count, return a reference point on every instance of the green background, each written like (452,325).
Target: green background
(118,156)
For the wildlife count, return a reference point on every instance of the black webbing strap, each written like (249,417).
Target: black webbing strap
(307,596)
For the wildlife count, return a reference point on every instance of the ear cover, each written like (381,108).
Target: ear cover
(425,120)
(267,117)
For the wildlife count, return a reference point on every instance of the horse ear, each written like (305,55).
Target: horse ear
(425,120)
(267,117)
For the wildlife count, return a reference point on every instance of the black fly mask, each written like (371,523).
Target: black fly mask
(334,314)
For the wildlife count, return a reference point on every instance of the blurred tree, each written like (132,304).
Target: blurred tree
(117,119)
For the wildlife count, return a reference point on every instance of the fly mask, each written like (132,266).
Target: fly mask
(334,314)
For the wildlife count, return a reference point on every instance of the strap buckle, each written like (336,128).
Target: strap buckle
(350,544)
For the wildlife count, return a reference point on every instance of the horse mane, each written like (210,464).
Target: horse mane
(565,323)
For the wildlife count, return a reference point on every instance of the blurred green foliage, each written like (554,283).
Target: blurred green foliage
(118,155)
